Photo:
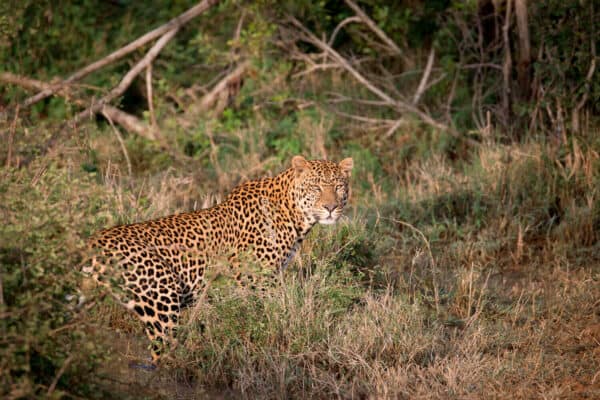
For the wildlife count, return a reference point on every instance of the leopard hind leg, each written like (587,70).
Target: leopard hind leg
(156,299)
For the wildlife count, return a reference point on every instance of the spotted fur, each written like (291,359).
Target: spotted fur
(160,265)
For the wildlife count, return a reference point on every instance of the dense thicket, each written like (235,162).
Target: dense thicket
(532,70)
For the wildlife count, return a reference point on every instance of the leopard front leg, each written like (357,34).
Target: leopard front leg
(257,277)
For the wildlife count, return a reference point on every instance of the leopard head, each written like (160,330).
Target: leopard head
(321,188)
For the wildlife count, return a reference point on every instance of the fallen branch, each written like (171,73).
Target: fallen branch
(130,122)
(22,81)
(175,23)
(128,78)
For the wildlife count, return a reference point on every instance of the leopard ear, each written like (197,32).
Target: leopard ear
(299,164)
(346,166)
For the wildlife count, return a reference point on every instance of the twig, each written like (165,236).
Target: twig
(220,93)
(121,141)
(482,65)
(60,373)
(372,121)
(150,101)
(345,22)
(316,67)
(175,23)
(393,129)
(450,98)
(128,78)
(423,84)
(238,29)
(340,98)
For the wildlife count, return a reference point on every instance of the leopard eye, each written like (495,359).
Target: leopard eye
(316,188)
(339,187)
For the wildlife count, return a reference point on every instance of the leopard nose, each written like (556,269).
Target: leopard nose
(330,207)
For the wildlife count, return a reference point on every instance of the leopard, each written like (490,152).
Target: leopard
(156,268)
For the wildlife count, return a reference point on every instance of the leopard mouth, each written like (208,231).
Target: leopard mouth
(327,221)
(327,218)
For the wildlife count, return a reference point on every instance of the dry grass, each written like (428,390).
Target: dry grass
(516,314)
(468,279)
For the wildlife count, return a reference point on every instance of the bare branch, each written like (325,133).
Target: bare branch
(343,62)
(340,98)
(423,84)
(393,129)
(367,120)
(373,26)
(220,94)
(238,29)
(23,81)
(150,100)
(60,372)
(128,78)
(175,23)
(482,65)
(316,67)
(398,105)
(345,22)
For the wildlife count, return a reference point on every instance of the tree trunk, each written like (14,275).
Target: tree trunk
(524,61)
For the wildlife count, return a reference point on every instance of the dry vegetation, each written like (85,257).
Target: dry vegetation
(470,279)
(464,268)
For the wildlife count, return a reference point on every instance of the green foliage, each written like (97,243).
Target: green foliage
(146,156)
(41,328)
(284,138)
(566,31)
